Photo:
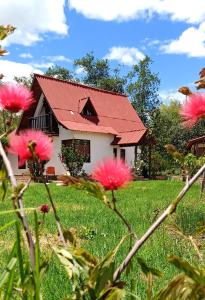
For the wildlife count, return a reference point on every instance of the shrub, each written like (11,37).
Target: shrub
(72,159)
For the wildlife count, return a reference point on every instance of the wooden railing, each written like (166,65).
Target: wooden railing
(46,123)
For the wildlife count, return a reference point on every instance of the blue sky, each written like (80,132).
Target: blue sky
(171,32)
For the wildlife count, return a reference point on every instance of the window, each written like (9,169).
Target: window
(122,154)
(82,146)
(88,109)
(115,152)
(22,166)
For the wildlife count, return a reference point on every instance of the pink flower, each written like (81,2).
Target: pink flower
(19,145)
(112,174)
(15,97)
(44,208)
(193,109)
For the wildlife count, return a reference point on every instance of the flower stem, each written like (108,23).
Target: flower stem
(21,213)
(60,231)
(131,232)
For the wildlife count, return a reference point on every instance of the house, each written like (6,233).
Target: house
(103,123)
(197,146)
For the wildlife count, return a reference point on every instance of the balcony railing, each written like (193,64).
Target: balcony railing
(46,123)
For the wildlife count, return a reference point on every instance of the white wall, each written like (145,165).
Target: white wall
(99,148)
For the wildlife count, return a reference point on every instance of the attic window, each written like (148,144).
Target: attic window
(88,109)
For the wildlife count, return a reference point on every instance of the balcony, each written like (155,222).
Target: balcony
(47,123)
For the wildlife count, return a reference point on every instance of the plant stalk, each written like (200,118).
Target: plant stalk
(21,213)
(131,232)
(60,231)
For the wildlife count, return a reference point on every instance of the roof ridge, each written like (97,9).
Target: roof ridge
(79,84)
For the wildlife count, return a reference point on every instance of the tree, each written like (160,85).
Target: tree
(59,73)
(168,129)
(143,90)
(26,81)
(99,74)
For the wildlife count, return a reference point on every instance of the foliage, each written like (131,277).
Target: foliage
(72,159)
(98,73)
(26,81)
(187,285)
(4,32)
(189,163)
(168,129)
(59,73)
(143,90)
(91,279)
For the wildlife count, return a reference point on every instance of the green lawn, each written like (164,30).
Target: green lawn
(102,230)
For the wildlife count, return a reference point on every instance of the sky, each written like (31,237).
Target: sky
(49,32)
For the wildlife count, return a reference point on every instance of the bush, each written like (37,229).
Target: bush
(72,159)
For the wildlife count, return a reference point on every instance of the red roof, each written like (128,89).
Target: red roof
(130,137)
(115,114)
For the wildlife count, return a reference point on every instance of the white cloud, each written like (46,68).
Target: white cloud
(33,19)
(11,69)
(171,94)
(190,11)
(80,71)
(42,65)
(191,42)
(125,55)
(57,58)
(25,55)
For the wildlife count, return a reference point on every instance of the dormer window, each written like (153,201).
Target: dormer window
(88,109)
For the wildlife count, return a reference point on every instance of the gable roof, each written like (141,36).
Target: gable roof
(115,114)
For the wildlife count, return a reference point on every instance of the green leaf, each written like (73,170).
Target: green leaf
(5,31)
(113,294)
(5,275)
(19,252)
(37,259)
(8,289)
(2,228)
(148,270)
(67,260)
(103,272)
(16,210)
(4,183)
(188,269)
(93,188)
(86,257)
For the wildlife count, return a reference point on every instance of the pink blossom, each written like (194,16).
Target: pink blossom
(112,174)
(15,97)
(193,109)
(19,145)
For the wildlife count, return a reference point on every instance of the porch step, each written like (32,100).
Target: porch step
(22,178)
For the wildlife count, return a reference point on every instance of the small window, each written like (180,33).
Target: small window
(82,146)
(88,109)
(115,152)
(122,154)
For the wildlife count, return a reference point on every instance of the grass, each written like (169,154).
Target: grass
(101,229)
